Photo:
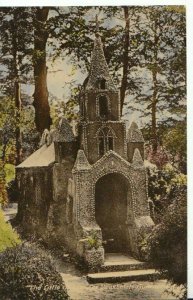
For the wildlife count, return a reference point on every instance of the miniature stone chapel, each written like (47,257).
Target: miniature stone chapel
(88,191)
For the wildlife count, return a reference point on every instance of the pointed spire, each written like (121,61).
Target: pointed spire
(97,26)
(137,160)
(98,68)
(134,134)
(81,162)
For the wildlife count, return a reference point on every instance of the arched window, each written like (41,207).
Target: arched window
(105,140)
(103,107)
(110,140)
(101,143)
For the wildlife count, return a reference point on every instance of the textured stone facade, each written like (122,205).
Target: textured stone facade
(90,191)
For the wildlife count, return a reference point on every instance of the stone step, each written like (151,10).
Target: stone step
(122,262)
(124,276)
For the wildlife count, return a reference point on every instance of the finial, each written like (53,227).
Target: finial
(97,26)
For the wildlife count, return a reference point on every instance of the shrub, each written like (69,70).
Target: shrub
(8,237)
(143,244)
(27,272)
(168,241)
(163,186)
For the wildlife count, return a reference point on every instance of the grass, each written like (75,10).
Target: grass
(9,172)
(8,237)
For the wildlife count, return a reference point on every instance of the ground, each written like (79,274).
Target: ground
(79,289)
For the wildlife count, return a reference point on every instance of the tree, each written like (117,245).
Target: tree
(15,47)
(42,109)
(175,141)
(161,41)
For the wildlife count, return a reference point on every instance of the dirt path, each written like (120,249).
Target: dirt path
(79,289)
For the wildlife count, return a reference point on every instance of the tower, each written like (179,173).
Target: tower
(100,128)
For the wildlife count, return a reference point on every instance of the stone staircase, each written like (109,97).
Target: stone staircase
(122,268)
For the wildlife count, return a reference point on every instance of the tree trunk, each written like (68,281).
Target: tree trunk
(42,109)
(18,135)
(125,57)
(153,113)
(17,91)
(155,91)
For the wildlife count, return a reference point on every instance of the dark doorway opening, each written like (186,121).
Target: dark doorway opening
(111,211)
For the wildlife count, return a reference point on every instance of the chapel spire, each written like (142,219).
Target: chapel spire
(97,26)
(98,67)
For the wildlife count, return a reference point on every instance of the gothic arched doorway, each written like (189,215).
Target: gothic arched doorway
(111,193)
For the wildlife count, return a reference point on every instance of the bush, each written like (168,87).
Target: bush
(168,241)
(8,237)
(162,187)
(27,272)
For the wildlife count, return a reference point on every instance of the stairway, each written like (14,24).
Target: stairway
(122,268)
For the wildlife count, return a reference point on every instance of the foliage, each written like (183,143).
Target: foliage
(159,158)
(67,109)
(168,241)
(162,187)
(8,124)
(3,190)
(27,272)
(142,243)
(8,237)
(174,140)
(93,240)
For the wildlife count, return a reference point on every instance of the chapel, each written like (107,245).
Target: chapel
(88,190)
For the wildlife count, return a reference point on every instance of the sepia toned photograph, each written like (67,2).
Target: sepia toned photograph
(93,155)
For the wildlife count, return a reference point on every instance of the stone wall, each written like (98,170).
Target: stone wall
(35,197)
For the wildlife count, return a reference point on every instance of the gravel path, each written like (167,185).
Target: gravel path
(79,289)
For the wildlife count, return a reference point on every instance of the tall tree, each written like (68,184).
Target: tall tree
(161,41)
(42,109)
(15,47)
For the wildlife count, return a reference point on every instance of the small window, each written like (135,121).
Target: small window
(102,84)
(103,107)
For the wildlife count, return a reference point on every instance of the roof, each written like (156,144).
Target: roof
(81,162)
(98,67)
(134,134)
(64,132)
(43,157)
(137,160)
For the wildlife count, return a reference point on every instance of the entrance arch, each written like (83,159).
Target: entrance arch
(112,192)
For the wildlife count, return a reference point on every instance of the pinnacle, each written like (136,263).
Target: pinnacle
(137,159)
(81,162)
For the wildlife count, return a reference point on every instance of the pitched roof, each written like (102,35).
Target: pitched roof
(137,160)
(81,162)
(64,132)
(41,158)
